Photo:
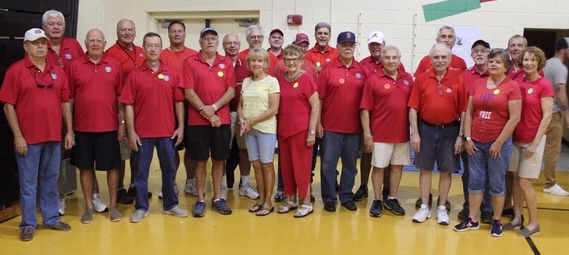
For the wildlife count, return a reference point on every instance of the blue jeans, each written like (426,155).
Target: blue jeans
(333,147)
(484,169)
(38,173)
(486,199)
(165,149)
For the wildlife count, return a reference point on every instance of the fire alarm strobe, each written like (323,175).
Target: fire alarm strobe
(294,19)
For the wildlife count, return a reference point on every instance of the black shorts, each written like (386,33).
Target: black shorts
(199,140)
(101,149)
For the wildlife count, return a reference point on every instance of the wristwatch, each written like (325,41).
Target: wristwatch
(468,138)
(312,132)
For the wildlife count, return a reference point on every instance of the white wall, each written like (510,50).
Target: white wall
(402,21)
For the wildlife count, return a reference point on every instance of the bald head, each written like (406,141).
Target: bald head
(95,43)
(126,32)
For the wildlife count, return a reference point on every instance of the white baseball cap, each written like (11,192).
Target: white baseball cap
(376,36)
(34,34)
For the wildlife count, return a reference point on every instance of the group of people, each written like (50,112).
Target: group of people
(499,116)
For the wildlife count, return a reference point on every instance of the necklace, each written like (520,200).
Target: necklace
(294,77)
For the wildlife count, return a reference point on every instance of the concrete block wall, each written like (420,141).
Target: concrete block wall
(402,21)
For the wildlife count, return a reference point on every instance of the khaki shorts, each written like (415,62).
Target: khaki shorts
(527,167)
(235,130)
(125,149)
(385,154)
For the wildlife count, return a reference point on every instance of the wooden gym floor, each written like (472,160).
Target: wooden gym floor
(342,232)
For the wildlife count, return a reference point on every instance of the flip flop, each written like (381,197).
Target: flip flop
(256,208)
(265,211)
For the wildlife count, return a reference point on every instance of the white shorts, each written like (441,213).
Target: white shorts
(527,167)
(385,154)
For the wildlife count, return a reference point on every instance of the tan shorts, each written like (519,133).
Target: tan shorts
(235,130)
(527,167)
(125,149)
(385,154)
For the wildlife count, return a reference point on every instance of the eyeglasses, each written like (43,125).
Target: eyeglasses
(479,51)
(39,84)
(253,37)
(290,60)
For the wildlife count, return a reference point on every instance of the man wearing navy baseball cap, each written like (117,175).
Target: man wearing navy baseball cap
(340,87)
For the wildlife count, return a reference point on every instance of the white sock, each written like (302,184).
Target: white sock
(390,197)
(244,180)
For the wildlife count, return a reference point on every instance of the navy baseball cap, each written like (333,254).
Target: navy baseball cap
(346,36)
(481,42)
(207,30)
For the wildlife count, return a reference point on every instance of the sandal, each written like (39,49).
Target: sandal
(303,211)
(256,208)
(287,207)
(265,211)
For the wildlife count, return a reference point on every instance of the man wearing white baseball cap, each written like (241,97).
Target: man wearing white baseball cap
(36,90)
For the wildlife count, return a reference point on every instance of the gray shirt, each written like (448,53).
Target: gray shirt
(555,72)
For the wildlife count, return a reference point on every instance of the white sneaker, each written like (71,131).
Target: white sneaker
(98,205)
(190,187)
(175,190)
(177,211)
(223,191)
(422,214)
(442,216)
(62,206)
(556,190)
(246,190)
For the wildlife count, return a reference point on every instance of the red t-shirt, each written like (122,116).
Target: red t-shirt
(152,95)
(532,93)
(175,60)
(241,72)
(69,50)
(209,83)
(272,60)
(37,99)
(321,59)
(457,64)
(470,76)
(372,67)
(438,102)
(308,67)
(129,59)
(490,108)
(340,90)
(386,99)
(95,89)
(294,108)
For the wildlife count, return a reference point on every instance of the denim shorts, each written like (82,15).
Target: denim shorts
(260,146)
(485,171)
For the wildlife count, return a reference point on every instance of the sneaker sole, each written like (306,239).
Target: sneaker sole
(417,221)
(469,228)
(442,223)
(391,210)
(176,215)
(497,235)
(375,216)
(139,220)
(104,210)
(555,193)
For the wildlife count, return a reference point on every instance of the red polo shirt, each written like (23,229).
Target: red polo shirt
(152,94)
(438,104)
(490,108)
(279,57)
(69,50)
(209,83)
(129,59)
(37,97)
(340,90)
(176,59)
(372,67)
(457,64)
(532,93)
(294,108)
(241,72)
(321,59)
(470,76)
(95,89)
(272,60)
(386,99)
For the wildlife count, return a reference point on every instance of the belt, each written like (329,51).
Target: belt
(441,126)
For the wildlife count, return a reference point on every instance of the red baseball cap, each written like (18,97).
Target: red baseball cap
(301,37)
(276,30)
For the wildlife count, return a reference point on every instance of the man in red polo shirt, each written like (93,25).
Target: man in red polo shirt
(385,123)
(255,35)
(130,56)
(447,36)
(340,87)
(95,83)
(34,93)
(209,86)
(516,44)
(322,53)
(175,57)
(276,40)
(149,93)
(437,105)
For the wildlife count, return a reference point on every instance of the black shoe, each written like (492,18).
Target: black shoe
(385,193)
(463,214)
(312,198)
(394,206)
(280,196)
(419,201)
(375,210)
(132,192)
(123,197)
(509,211)
(330,206)
(360,194)
(350,205)
(486,217)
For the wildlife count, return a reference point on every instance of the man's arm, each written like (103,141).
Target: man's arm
(69,140)
(19,140)
(561,97)
(415,138)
